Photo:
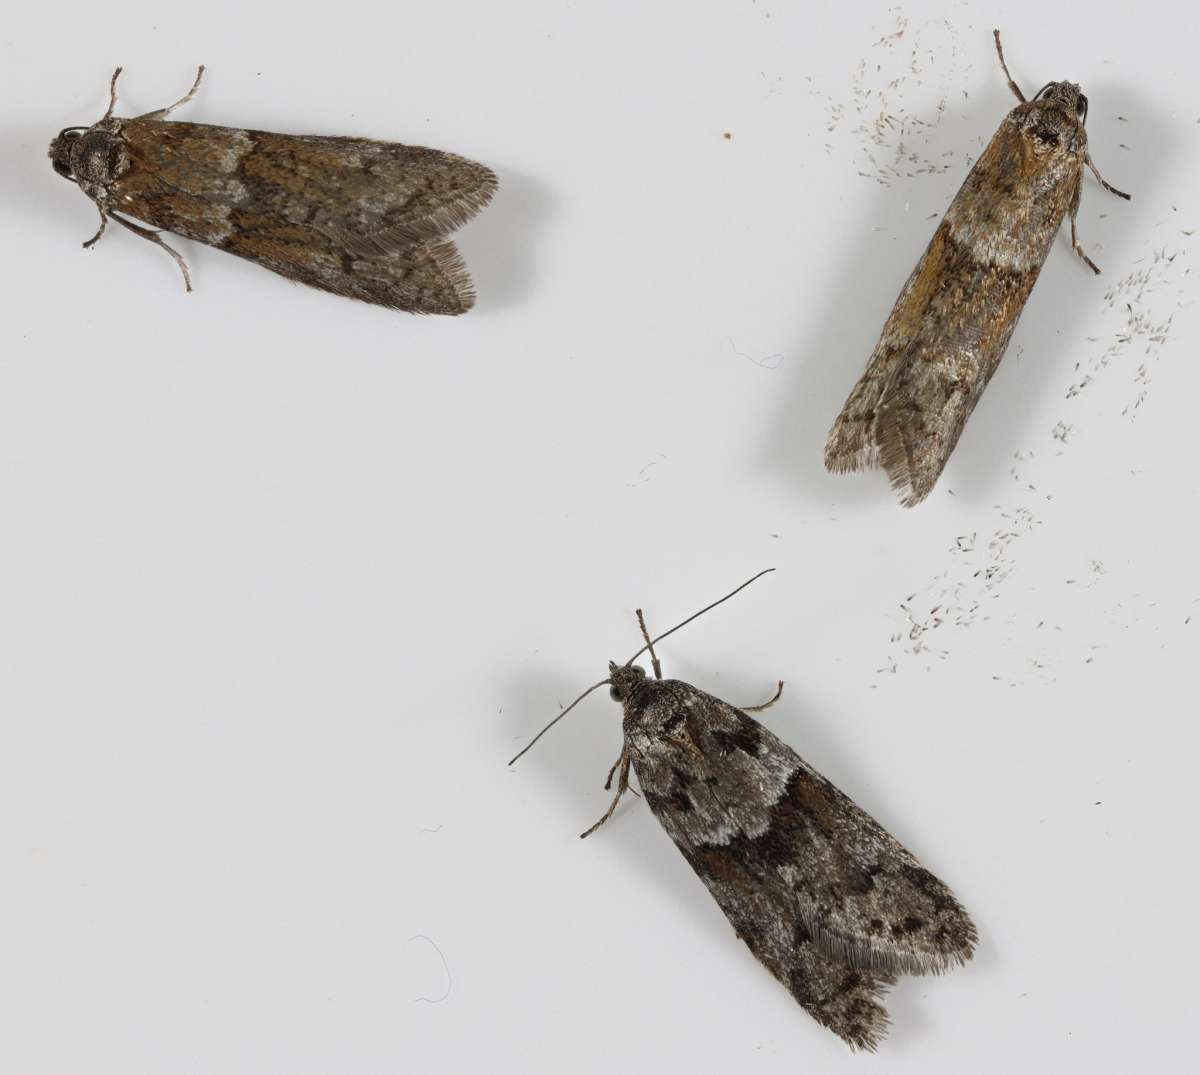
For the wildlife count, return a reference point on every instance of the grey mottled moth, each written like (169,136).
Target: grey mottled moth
(955,315)
(831,904)
(364,219)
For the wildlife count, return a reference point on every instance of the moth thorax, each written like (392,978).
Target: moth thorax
(1052,128)
(97,158)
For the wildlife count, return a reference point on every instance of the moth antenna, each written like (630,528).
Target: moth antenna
(112,94)
(649,645)
(707,608)
(1000,52)
(559,717)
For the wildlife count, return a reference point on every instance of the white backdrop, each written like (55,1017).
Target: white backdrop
(286,579)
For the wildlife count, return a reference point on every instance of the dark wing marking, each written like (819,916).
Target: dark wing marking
(775,841)
(359,218)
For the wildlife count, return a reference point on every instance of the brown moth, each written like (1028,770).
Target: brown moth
(953,319)
(361,218)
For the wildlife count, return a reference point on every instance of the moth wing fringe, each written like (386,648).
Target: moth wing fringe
(846,1000)
(881,1024)
(870,1027)
(853,440)
(436,224)
(895,461)
(862,956)
(453,267)
(446,218)
(839,459)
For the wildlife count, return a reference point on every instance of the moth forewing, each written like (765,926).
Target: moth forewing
(825,898)
(357,217)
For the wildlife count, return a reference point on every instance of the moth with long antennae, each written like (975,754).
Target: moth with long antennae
(830,903)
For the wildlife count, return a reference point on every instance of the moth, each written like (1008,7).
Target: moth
(830,903)
(955,315)
(357,217)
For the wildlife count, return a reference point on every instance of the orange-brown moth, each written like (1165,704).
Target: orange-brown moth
(955,315)
(357,217)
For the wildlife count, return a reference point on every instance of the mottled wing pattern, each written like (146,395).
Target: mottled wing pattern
(839,997)
(951,355)
(832,904)
(353,216)
(953,319)
(853,442)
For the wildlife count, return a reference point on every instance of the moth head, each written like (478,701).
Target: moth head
(623,680)
(60,152)
(1067,96)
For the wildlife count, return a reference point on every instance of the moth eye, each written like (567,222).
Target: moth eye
(1081,107)
(614,693)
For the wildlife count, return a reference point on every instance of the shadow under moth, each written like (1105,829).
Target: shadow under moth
(831,904)
(953,319)
(361,218)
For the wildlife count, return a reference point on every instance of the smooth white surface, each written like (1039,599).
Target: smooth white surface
(285,580)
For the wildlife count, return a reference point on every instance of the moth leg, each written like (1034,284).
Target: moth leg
(162,113)
(649,645)
(1072,211)
(765,705)
(1104,182)
(96,238)
(622,757)
(622,787)
(1075,243)
(1079,250)
(112,94)
(628,787)
(1000,52)
(154,237)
